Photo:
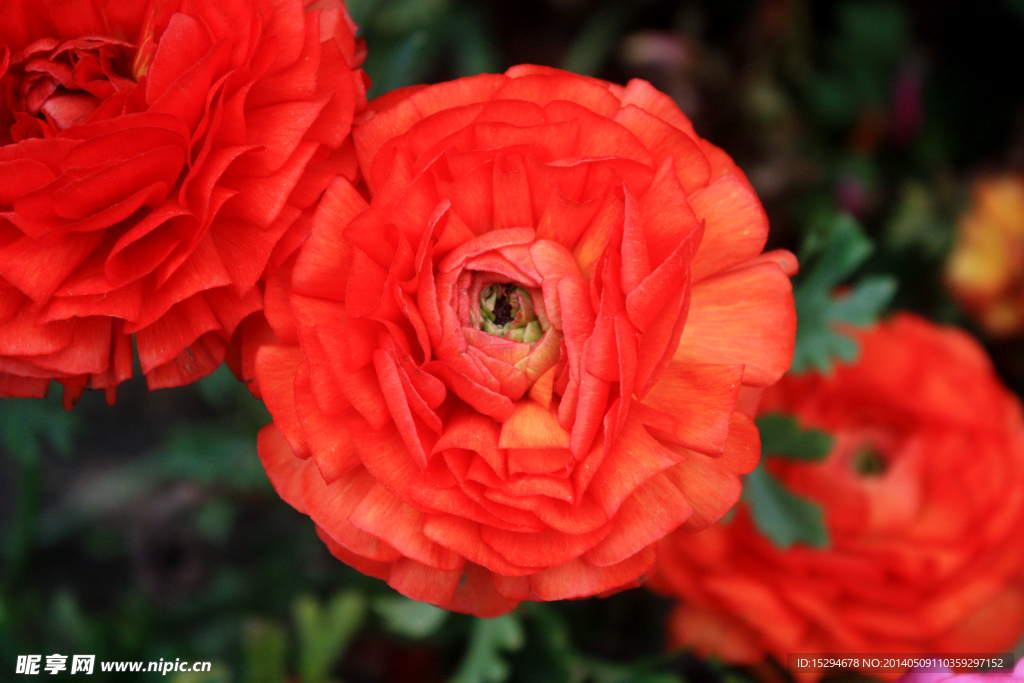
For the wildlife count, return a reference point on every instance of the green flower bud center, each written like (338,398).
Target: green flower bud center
(507,311)
(868,462)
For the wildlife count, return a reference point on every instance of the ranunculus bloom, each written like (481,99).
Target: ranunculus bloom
(923,502)
(516,369)
(985,271)
(156,159)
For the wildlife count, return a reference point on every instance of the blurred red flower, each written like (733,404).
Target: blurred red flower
(156,158)
(923,502)
(515,370)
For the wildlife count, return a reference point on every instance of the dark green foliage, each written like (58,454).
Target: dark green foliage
(837,251)
(781,435)
(780,515)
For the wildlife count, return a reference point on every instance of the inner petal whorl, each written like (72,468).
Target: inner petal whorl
(506,310)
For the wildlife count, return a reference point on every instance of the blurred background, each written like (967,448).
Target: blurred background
(148,530)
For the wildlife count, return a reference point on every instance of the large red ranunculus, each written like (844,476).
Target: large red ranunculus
(156,159)
(923,502)
(516,369)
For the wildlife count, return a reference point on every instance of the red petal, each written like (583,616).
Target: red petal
(531,426)
(281,465)
(196,361)
(398,404)
(463,537)
(512,206)
(39,267)
(185,322)
(476,595)
(13,386)
(331,505)
(579,578)
(736,227)
(473,432)
(701,398)
(743,316)
(546,88)
(383,515)
(668,217)
(650,99)
(327,434)
(385,456)
(275,373)
(544,549)
(634,458)
(423,583)
(378,570)
(712,485)
(668,143)
(653,511)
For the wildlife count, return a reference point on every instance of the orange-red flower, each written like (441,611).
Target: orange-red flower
(515,370)
(985,271)
(156,158)
(923,502)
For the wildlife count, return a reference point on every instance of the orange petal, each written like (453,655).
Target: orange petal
(578,578)
(736,225)
(542,549)
(328,436)
(652,512)
(701,398)
(476,595)
(384,516)
(712,485)
(283,469)
(463,537)
(423,583)
(531,426)
(743,316)
(378,570)
(330,505)
(634,458)
(275,371)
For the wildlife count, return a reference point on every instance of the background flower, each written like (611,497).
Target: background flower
(985,271)
(922,501)
(459,415)
(157,160)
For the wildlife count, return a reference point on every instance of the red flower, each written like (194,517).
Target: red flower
(923,503)
(157,158)
(516,369)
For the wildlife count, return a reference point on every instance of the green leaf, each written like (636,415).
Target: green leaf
(863,304)
(408,618)
(483,662)
(842,248)
(265,646)
(781,435)
(325,632)
(26,422)
(780,515)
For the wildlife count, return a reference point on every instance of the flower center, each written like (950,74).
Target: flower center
(507,311)
(867,462)
(52,86)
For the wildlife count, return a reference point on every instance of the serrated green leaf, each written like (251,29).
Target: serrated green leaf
(862,305)
(325,631)
(408,618)
(782,516)
(781,435)
(483,662)
(820,313)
